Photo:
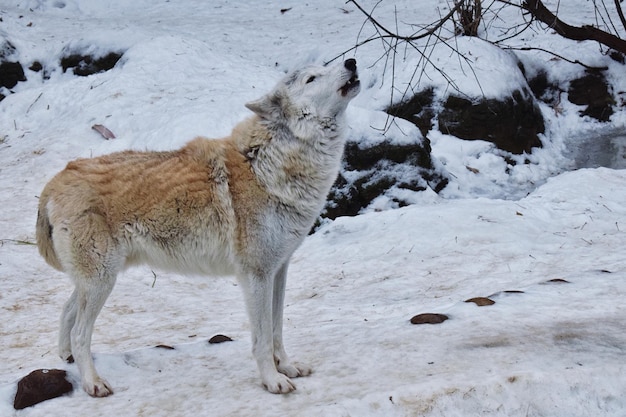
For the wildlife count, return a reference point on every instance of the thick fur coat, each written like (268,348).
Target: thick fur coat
(237,206)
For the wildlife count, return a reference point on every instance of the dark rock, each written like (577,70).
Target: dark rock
(360,158)
(539,84)
(10,74)
(617,57)
(545,90)
(592,90)
(220,338)
(166,347)
(481,301)
(41,385)
(505,293)
(36,66)
(6,50)
(84,65)
(557,281)
(429,318)
(378,168)
(418,110)
(512,124)
(11,71)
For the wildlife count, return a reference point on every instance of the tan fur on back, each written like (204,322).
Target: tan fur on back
(176,197)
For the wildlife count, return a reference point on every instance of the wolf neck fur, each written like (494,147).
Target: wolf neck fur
(295,169)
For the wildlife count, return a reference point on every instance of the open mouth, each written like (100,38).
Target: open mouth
(352,83)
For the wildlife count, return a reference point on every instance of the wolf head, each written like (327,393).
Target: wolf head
(319,94)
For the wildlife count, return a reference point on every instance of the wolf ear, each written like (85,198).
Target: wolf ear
(268,107)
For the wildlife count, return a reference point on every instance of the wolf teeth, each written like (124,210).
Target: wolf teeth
(354,79)
(350,84)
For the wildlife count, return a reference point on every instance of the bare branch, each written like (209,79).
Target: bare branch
(425,34)
(571,61)
(620,13)
(582,33)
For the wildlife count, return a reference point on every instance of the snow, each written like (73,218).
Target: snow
(557,349)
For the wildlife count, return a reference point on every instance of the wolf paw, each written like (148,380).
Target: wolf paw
(98,388)
(294,370)
(66,354)
(278,384)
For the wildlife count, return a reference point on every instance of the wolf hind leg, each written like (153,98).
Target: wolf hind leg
(92,258)
(68,318)
(90,298)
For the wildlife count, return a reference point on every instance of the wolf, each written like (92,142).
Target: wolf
(239,205)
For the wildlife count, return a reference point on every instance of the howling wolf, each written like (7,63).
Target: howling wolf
(239,205)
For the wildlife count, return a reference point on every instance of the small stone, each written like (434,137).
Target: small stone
(429,318)
(36,66)
(220,338)
(481,301)
(41,385)
(506,292)
(166,347)
(86,64)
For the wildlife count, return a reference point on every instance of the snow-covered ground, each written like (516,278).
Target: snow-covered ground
(557,349)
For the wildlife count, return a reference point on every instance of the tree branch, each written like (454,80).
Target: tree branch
(578,33)
(422,35)
(620,13)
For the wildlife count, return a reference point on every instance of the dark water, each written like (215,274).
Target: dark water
(605,150)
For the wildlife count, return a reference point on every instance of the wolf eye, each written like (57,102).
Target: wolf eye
(310,79)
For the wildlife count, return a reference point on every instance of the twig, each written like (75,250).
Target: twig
(407,38)
(620,13)
(17,241)
(33,103)
(571,61)
(389,34)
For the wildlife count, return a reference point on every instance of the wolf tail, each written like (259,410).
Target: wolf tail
(44,235)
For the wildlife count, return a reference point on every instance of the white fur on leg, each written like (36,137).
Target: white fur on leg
(258,293)
(89,301)
(68,318)
(283,364)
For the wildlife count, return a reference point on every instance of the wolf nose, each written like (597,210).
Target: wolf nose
(350,64)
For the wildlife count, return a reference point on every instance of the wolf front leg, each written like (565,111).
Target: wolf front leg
(258,293)
(283,364)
